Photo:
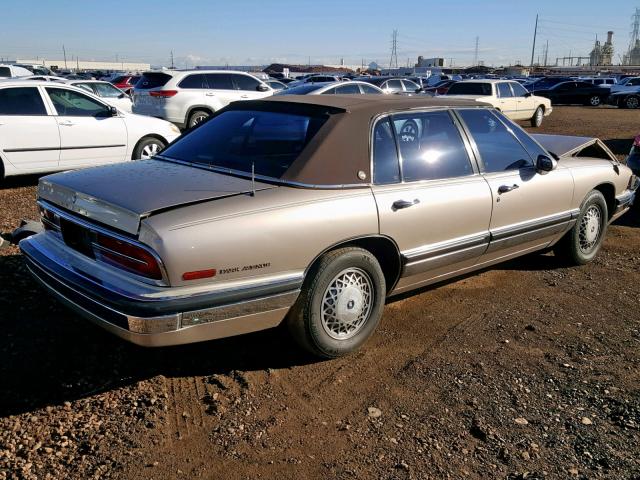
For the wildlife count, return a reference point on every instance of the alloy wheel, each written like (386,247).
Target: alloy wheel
(150,150)
(347,303)
(632,102)
(594,101)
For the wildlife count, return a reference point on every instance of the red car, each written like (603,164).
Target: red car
(126,82)
(440,88)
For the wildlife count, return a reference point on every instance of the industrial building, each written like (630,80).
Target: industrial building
(602,54)
(77,64)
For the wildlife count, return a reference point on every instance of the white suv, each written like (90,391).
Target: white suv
(187,97)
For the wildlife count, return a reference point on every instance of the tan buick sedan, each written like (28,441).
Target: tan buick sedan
(312,211)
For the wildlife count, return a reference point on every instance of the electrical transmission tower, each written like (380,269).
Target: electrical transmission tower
(393,62)
(475,53)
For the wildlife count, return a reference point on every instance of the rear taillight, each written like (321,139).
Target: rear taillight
(127,256)
(163,93)
(50,220)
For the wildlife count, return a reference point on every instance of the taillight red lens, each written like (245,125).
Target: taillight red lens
(128,257)
(163,93)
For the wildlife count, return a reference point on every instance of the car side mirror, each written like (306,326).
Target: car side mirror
(545,164)
(527,95)
(419,89)
(262,88)
(113,111)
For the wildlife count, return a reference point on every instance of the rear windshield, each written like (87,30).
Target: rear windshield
(152,80)
(470,88)
(239,139)
(5,72)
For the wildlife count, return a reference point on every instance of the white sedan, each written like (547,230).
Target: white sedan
(46,127)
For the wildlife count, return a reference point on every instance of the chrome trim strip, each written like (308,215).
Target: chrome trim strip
(437,249)
(530,225)
(448,258)
(529,235)
(43,149)
(110,233)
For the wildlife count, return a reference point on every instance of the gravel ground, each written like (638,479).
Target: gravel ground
(529,370)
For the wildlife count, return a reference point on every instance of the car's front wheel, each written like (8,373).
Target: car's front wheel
(536,120)
(147,148)
(632,101)
(594,100)
(581,244)
(340,304)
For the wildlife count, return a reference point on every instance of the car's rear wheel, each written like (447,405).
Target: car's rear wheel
(197,117)
(340,304)
(147,148)
(632,101)
(581,244)
(536,120)
(595,100)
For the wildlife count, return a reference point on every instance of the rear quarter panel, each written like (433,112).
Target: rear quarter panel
(280,230)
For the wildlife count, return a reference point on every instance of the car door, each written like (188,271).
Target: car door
(431,200)
(392,86)
(506,100)
(530,209)
(249,87)
(221,87)
(29,137)
(89,133)
(525,103)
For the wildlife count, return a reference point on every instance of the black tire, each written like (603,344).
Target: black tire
(572,247)
(147,147)
(632,101)
(536,120)
(594,101)
(310,321)
(197,117)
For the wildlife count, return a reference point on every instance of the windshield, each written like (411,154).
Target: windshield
(470,88)
(239,139)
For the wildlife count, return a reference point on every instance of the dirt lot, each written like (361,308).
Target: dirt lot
(527,370)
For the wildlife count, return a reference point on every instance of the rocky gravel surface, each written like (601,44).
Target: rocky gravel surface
(529,370)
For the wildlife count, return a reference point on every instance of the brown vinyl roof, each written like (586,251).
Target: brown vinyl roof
(340,150)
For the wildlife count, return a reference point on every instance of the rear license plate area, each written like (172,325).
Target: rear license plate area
(77,237)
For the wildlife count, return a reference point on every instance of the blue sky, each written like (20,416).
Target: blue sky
(259,32)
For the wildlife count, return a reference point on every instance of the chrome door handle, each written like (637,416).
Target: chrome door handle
(244,96)
(400,204)
(66,123)
(506,188)
(210,94)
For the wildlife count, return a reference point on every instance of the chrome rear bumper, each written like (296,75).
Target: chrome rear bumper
(162,321)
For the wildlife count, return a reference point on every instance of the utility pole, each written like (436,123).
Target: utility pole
(475,54)
(394,50)
(546,52)
(535,34)
(172,64)
(64,53)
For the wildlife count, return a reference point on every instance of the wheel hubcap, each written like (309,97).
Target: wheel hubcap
(632,102)
(198,119)
(539,116)
(346,304)
(590,227)
(595,101)
(150,150)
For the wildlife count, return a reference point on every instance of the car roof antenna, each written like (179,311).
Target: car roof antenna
(253,179)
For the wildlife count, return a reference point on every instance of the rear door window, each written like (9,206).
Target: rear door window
(348,89)
(196,80)
(431,147)
(369,90)
(395,85)
(21,101)
(499,148)
(220,81)
(504,90)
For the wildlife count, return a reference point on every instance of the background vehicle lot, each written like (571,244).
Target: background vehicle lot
(448,384)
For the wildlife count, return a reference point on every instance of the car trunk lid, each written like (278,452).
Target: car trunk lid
(572,146)
(120,196)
